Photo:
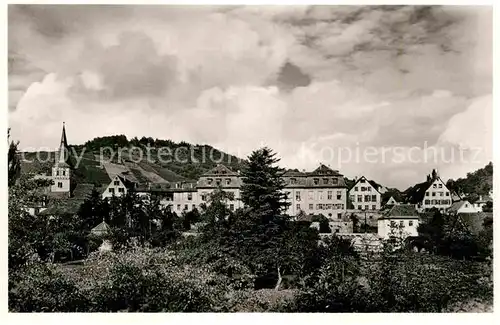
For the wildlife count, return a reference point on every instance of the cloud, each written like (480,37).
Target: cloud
(303,80)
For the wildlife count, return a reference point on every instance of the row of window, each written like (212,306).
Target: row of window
(63,173)
(186,207)
(316,181)
(323,206)
(363,189)
(437,185)
(311,196)
(120,190)
(218,181)
(435,193)
(427,202)
(402,223)
(367,207)
(367,198)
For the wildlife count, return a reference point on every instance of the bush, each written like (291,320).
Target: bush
(43,288)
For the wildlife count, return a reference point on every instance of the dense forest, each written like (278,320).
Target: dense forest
(474,184)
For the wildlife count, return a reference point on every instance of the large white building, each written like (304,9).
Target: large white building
(365,195)
(432,193)
(322,191)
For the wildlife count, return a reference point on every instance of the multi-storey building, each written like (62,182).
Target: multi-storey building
(432,193)
(365,195)
(322,191)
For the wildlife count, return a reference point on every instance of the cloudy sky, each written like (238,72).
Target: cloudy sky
(317,84)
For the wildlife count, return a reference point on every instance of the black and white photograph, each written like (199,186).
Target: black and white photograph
(249,158)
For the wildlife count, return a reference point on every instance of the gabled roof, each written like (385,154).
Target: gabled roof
(388,202)
(417,193)
(457,205)
(324,170)
(128,181)
(401,211)
(374,184)
(220,170)
(474,222)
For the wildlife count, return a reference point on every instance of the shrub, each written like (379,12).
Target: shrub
(43,288)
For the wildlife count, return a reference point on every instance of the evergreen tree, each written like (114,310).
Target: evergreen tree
(262,189)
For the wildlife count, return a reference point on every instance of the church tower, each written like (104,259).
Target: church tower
(61,169)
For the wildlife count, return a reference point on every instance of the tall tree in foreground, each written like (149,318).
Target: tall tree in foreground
(14,164)
(262,189)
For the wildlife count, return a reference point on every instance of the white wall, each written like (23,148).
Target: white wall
(437,191)
(317,201)
(469,208)
(116,187)
(359,193)
(384,227)
(60,176)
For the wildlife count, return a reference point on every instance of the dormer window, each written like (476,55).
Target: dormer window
(116,183)
(316,181)
(218,181)
(325,181)
(228,181)
(210,181)
(335,181)
(293,181)
(362,181)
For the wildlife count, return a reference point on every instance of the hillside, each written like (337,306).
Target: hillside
(474,184)
(174,162)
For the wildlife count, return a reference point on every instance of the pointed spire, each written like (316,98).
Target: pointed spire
(64,141)
(63,147)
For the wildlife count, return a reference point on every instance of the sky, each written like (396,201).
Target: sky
(386,92)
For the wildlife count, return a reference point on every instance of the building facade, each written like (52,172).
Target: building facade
(322,191)
(365,195)
(400,221)
(430,194)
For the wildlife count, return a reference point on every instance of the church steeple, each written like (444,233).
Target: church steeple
(63,147)
(61,169)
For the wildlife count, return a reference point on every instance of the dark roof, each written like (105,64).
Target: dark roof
(62,207)
(457,205)
(294,173)
(63,164)
(220,170)
(474,222)
(82,191)
(417,192)
(57,195)
(399,211)
(324,170)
